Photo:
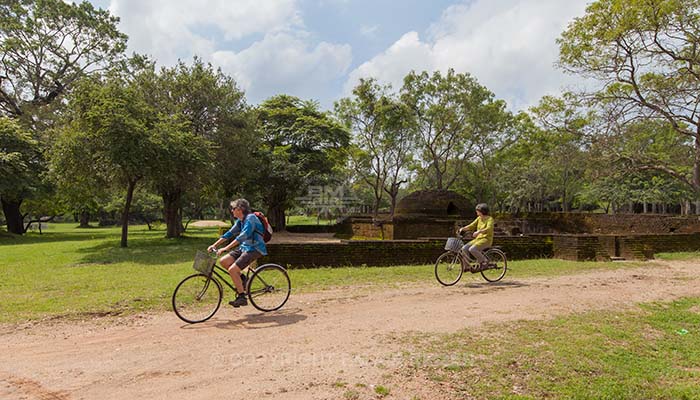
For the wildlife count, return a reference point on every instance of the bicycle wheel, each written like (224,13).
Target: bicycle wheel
(197,298)
(269,287)
(498,265)
(448,268)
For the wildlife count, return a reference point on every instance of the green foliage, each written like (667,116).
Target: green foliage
(645,54)
(47,45)
(20,160)
(301,146)
(453,113)
(383,139)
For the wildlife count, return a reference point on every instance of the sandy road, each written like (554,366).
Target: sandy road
(307,349)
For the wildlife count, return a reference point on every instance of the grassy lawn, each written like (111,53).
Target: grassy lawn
(70,272)
(652,352)
(308,220)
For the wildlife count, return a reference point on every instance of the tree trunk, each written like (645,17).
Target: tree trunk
(84,219)
(276,217)
(125,213)
(13,216)
(172,213)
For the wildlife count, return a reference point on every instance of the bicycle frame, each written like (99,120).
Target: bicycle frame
(224,280)
(232,287)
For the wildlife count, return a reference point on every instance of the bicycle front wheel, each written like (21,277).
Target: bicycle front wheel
(498,265)
(448,268)
(197,298)
(269,287)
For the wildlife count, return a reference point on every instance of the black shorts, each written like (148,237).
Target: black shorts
(244,259)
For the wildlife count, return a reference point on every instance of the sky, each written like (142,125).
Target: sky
(319,49)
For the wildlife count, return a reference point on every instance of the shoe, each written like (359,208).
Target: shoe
(240,301)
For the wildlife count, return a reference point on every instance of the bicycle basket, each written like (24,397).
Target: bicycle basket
(453,244)
(203,263)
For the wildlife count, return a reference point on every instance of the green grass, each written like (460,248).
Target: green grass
(308,220)
(652,352)
(70,272)
(682,256)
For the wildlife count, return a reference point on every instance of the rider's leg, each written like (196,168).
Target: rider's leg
(242,262)
(476,252)
(228,262)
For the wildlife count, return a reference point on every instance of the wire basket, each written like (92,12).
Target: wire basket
(203,263)
(454,244)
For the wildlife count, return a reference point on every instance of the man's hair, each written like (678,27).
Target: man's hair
(483,208)
(243,204)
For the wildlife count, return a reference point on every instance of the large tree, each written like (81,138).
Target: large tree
(110,119)
(45,47)
(301,147)
(646,55)
(19,156)
(213,140)
(383,139)
(452,112)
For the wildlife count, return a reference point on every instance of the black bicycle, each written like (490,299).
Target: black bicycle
(451,264)
(198,297)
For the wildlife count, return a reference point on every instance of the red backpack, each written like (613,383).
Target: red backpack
(267,228)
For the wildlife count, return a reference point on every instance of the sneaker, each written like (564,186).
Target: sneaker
(240,301)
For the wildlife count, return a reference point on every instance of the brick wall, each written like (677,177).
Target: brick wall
(631,247)
(618,224)
(394,252)
(425,251)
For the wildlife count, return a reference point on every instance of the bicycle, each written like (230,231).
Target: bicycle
(198,297)
(451,264)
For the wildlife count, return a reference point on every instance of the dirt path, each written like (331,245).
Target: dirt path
(318,347)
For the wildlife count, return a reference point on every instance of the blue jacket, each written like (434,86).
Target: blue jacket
(250,236)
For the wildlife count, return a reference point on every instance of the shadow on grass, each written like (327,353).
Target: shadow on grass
(145,250)
(112,234)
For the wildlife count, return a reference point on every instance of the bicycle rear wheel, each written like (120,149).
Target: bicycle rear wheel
(448,268)
(197,298)
(498,265)
(269,287)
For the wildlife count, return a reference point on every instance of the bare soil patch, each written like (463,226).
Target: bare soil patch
(328,345)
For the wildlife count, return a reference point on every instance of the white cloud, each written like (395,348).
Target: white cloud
(369,31)
(285,63)
(275,56)
(508,45)
(172,29)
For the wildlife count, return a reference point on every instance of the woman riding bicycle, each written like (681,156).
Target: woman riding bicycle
(483,234)
(249,231)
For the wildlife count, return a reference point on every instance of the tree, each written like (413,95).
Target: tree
(646,54)
(19,159)
(208,145)
(46,46)
(301,146)
(383,138)
(449,112)
(110,119)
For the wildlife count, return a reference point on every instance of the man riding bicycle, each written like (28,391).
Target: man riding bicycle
(248,232)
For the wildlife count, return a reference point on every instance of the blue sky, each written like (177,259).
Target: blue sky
(318,49)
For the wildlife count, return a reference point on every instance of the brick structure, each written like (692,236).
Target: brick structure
(394,252)
(425,251)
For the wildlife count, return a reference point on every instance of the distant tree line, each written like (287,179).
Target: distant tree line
(87,131)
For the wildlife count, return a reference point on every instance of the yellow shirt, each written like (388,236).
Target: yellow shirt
(485,238)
